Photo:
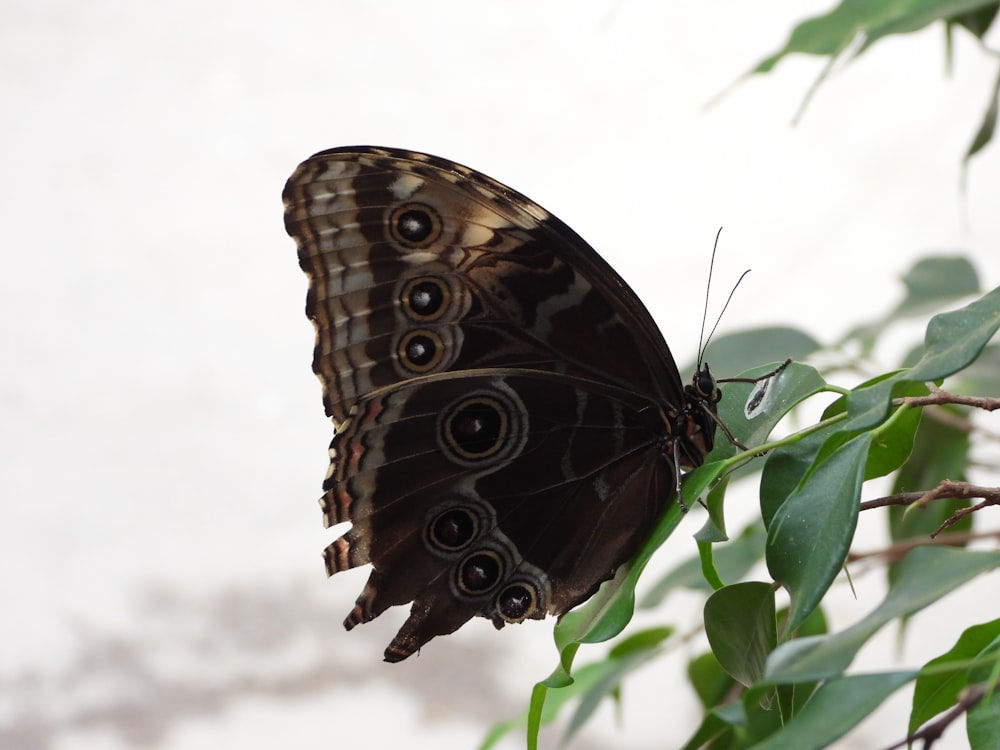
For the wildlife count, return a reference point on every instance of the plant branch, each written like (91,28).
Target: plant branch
(946,489)
(938,397)
(931,733)
(899,549)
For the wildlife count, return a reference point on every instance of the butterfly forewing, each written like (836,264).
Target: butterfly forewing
(419,266)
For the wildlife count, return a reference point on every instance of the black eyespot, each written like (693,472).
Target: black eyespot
(477,427)
(484,427)
(453,529)
(479,572)
(415,225)
(425,298)
(516,602)
(420,351)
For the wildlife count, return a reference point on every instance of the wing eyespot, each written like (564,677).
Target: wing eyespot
(415,225)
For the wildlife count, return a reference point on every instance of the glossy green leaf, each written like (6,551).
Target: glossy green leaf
(794,384)
(988,125)
(715,727)
(982,376)
(978,21)
(869,405)
(743,350)
(785,468)
(834,32)
(926,575)
(954,339)
(940,451)
(931,283)
(810,534)
(602,617)
(793,696)
(627,656)
(714,529)
(740,627)
(937,690)
(731,560)
(934,282)
(834,709)
(589,685)
(546,704)
(605,614)
(709,680)
(982,722)
(893,441)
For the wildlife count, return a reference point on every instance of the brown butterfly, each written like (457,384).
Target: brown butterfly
(509,420)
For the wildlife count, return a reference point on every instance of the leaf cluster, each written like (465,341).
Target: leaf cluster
(774,675)
(854,26)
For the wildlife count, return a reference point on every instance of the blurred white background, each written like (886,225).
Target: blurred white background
(162,436)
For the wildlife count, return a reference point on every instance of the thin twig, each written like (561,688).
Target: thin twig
(938,396)
(946,489)
(899,549)
(931,733)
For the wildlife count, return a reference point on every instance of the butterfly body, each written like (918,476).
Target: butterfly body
(509,420)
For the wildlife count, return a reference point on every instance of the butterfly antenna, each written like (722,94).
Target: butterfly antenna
(702,339)
(728,300)
(702,343)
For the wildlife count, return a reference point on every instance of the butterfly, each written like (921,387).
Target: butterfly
(509,421)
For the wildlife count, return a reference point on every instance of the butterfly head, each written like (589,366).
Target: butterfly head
(694,427)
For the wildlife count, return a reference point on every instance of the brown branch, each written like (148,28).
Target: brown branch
(946,489)
(938,396)
(899,549)
(953,419)
(931,733)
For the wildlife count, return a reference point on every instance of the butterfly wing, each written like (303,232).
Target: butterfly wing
(502,493)
(504,402)
(418,265)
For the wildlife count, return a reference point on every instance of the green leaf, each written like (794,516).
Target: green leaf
(810,534)
(740,627)
(545,705)
(978,22)
(931,283)
(591,683)
(602,617)
(869,404)
(714,529)
(940,451)
(714,728)
(982,376)
(607,613)
(926,575)
(834,709)
(987,127)
(794,384)
(607,677)
(893,442)
(709,680)
(954,339)
(784,469)
(982,722)
(732,561)
(641,642)
(934,282)
(743,350)
(937,690)
(831,34)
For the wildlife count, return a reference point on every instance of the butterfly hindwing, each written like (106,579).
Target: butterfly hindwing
(479,478)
